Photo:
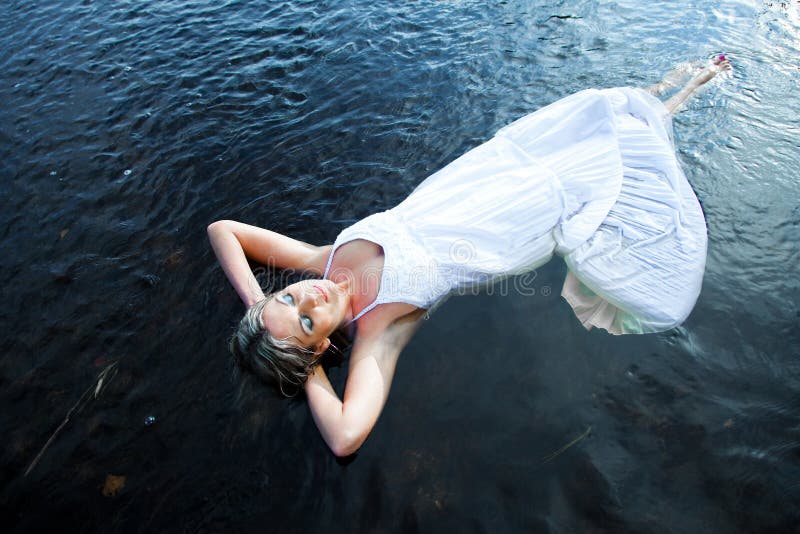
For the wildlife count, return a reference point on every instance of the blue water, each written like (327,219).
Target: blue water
(127,126)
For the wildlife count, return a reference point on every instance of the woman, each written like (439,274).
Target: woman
(592,177)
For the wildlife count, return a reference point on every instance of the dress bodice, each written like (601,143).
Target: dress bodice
(407,266)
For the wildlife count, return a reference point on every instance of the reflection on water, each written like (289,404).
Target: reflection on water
(127,127)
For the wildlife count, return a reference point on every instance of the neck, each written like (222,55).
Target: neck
(345,287)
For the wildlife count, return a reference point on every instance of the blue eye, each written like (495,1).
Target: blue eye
(287,297)
(307,322)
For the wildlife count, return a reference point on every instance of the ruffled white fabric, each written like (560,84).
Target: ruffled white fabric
(592,177)
(642,269)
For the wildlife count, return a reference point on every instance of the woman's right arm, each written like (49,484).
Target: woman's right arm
(345,423)
(234,242)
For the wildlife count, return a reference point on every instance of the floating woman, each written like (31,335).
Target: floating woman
(592,177)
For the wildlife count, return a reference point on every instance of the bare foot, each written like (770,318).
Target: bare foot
(719,64)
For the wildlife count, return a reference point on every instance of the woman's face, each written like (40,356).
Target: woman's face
(307,312)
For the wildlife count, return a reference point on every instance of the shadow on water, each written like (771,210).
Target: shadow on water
(127,127)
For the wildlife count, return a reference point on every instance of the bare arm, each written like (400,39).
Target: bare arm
(234,242)
(345,424)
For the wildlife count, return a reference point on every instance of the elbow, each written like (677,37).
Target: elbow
(344,451)
(215,226)
(346,445)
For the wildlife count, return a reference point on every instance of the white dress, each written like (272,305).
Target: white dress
(593,178)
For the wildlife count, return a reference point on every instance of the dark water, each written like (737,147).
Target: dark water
(127,126)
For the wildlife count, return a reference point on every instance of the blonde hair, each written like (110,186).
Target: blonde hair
(273,360)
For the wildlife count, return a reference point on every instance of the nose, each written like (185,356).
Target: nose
(310,299)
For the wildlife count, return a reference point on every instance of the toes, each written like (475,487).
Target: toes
(719,59)
(720,63)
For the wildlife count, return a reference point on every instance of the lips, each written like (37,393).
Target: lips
(322,292)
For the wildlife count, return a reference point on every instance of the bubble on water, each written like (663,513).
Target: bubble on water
(127,172)
(149,420)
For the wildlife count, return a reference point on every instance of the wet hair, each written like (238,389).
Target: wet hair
(274,360)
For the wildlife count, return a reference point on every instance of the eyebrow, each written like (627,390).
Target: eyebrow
(299,320)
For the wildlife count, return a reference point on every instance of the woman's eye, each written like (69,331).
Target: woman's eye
(287,297)
(307,322)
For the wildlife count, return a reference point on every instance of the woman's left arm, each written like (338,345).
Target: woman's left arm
(345,424)
(234,242)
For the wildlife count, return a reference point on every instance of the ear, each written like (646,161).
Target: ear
(322,346)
